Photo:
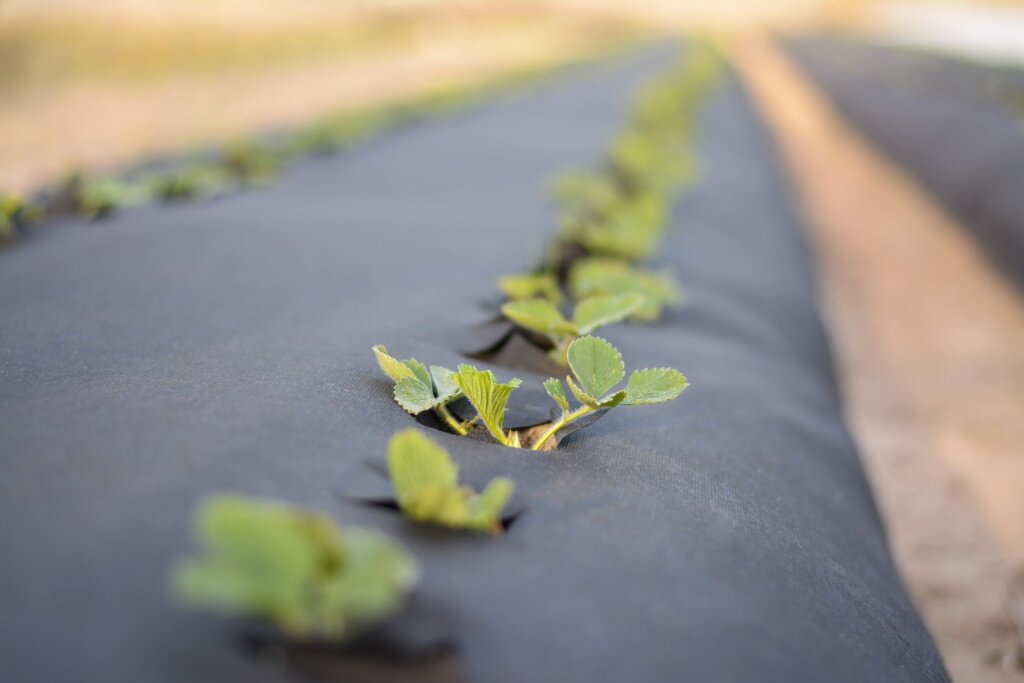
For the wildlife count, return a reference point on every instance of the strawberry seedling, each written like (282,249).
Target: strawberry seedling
(14,212)
(489,398)
(418,390)
(618,210)
(597,368)
(607,276)
(96,196)
(195,180)
(542,285)
(296,569)
(252,163)
(543,317)
(426,484)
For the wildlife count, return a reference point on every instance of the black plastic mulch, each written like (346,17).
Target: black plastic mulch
(177,351)
(956,125)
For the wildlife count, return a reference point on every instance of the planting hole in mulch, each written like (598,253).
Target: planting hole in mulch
(384,499)
(368,657)
(530,413)
(499,342)
(528,433)
(512,511)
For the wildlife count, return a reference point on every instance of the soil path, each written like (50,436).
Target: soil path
(930,343)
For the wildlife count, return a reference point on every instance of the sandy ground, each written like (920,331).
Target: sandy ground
(930,343)
(97,125)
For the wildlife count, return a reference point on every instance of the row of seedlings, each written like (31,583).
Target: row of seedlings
(254,162)
(299,571)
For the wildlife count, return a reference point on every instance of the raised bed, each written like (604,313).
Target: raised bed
(958,126)
(174,352)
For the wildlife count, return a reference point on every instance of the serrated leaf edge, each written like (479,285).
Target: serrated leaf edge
(686,384)
(618,354)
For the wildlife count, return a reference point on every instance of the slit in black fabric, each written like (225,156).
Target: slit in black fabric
(373,656)
(389,503)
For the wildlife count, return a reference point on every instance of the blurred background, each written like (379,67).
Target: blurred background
(920,285)
(90,84)
(97,84)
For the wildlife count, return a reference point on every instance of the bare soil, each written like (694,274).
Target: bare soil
(529,436)
(930,346)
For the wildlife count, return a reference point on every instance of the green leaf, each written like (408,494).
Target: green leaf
(294,568)
(392,367)
(485,509)
(253,162)
(584,190)
(444,386)
(97,195)
(598,311)
(419,370)
(613,400)
(488,396)
(414,396)
(602,275)
(529,286)
(16,211)
(426,485)
(195,180)
(377,575)
(258,560)
(557,392)
(620,237)
(581,395)
(654,385)
(435,504)
(416,389)
(659,290)
(415,461)
(538,315)
(596,364)
(631,230)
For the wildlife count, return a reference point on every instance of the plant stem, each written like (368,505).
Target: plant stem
(497,433)
(562,421)
(562,349)
(451,421)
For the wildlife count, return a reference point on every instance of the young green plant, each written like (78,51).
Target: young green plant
(543,285)
(253,162)
(294,568)
(607,276)
(16,211)
(489,397)
(598,369)
(426,484)
(195,180)
(543,317)
(619,209)
(96,196)
(418,390)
